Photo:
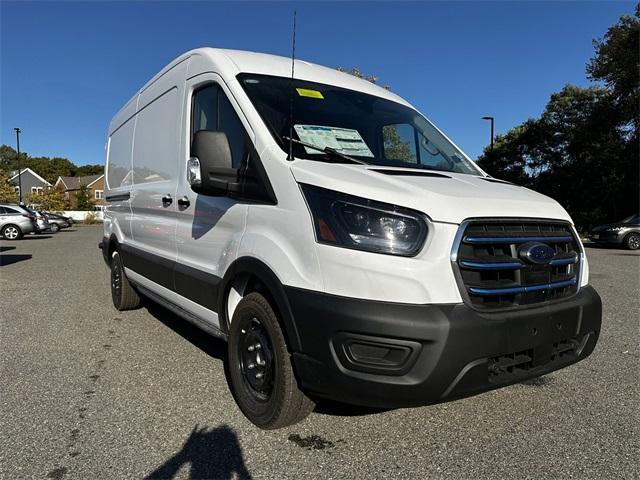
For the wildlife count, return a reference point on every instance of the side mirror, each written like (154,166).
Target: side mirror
(209,170)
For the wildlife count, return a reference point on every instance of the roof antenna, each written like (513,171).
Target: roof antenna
(293,60)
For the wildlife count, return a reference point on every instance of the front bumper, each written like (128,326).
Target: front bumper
(608,237)
(392,355)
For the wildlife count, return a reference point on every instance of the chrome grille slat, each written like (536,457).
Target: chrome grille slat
(492,274)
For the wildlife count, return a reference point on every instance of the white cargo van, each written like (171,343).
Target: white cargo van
(342,245)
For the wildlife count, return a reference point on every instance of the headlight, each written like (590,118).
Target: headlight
(353,222)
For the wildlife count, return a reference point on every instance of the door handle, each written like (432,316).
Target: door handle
(183,202)
(167,200)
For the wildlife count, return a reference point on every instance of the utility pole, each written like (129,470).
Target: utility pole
(491,119)
(19,169)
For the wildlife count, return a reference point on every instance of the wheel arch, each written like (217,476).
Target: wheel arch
(249,275)
(4,227)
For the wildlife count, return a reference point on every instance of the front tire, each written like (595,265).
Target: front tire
(632,241)
(11,232)
(262,379)
(123,295)
(54,228)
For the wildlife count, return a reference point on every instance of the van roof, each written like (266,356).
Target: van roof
(230,63)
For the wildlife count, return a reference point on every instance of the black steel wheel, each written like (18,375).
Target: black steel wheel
(256,359)
(261,373)
(123,295)
(632,241)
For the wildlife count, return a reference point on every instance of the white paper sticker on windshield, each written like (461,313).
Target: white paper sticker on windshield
(344,140)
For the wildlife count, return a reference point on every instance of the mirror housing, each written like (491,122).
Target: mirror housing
(209,170)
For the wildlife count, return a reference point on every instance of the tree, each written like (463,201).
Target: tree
(394,147)
(583,149)
(8,193)
(355,71)
(84,200)
(84,170)
(617,64)
(50,200)
(48,168)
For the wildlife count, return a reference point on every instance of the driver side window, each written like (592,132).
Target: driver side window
(430,156)
(399,143)
(212,111)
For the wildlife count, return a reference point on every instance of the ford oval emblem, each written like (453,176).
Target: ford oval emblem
(538,253)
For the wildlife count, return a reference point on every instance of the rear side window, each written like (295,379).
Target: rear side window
(12,211)
(2,210)
(119,156)
(212,110)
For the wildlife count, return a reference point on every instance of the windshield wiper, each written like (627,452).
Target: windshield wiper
(330,152)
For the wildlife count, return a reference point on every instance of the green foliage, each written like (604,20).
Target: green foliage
(84,200)
(583,149)
(355,71)
(50,200)
(7,191)
(48,168)
(394,147)
(90,218)
(617,64)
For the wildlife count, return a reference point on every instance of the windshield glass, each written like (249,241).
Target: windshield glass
(369,128)
(633,219)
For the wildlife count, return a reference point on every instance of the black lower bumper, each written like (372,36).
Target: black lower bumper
(607,238)
(391,355)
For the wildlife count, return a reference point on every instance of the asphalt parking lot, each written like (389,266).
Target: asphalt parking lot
(88,392)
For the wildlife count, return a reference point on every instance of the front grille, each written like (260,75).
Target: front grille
(494,273)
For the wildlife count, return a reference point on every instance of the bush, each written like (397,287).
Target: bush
(90,218)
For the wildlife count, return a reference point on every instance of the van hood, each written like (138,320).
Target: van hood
(443,196)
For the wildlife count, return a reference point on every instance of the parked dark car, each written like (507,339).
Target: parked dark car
(626,232)
(56,222)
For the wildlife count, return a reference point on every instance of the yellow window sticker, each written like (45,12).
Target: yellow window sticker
(305,92)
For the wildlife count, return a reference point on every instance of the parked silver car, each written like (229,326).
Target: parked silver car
(16,221)
(56,222)
(42,223)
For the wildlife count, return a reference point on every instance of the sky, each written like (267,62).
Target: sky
(67,67)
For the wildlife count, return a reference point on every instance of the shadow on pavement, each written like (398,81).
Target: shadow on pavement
(214,453)
(212,346)
(6,249)
(217,348)
(8,259)
(337,409)
(35,237)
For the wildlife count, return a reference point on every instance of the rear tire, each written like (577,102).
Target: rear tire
(123,295)
(54,228)
(11,232)
(262,379)
(632,241)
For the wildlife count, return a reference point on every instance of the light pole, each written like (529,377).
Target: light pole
(491,119)
(19,169)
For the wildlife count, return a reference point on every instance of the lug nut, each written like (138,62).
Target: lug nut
(259,375)
(251,366)
(251,348)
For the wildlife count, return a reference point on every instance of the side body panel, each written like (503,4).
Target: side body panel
(156,157)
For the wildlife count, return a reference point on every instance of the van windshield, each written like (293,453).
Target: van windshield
(369,128)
